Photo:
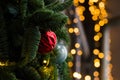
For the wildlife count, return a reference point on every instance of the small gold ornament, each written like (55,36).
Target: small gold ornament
(45,72)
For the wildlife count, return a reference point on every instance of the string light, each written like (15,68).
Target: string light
(73,51)
(77,75)
(87,77)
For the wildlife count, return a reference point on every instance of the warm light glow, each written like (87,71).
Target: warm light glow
(97,12)
(81,1)
(94,18)
(75,20)
(101,55)
(77,45)
(108,58)
(97,63)
(76,2)
(96,38)
(105,21)
(99,34)
(87,77)
(73,51)
(70,30)
(77,75)
(70,64)
(76,30)
(79,52)
(82,18)
(96,51)
(97,28)
(2,64)
(96,73)
(96,78)
(101,23)
(95,1)
(101,5)
(44,61)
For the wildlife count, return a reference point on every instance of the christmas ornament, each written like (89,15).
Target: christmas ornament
(48,42)
(61,54)
(44,72)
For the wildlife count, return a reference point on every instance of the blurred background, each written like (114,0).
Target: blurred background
(94,28)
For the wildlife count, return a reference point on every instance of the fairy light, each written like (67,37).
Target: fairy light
(99,16)
(101,55)
(77,45)
(77,75)
(70,64)
(96,51)
(73,51)
(79,52)
(70,30)
(96,63)
(87,77)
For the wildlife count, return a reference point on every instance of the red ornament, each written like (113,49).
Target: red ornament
(47,42)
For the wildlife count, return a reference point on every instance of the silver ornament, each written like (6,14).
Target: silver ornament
(61,53)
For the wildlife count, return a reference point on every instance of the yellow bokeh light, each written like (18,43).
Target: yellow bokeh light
(79,52)
(97,28)
(70,30)
(95,1)
(99,34)
(97,12)
(105,20)
(96,73)
(108,58)
(77,45)
(82,18)
(70,64)
(96,38)
(81,1)
(97,63)
(76,30)
(45,61)
(101,55)
(101,23)
(77,75)
(96,51)
(76,2)
(73,51)
(92,8)
(97,78)
(101,5)
(90,3)
(75,20)
(87,77)
(94,18)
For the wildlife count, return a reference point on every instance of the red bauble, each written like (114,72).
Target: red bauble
(47,42)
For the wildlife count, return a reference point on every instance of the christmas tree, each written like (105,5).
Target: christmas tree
(34,40)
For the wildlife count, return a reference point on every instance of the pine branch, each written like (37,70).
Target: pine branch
(23,8)
(53,20)
(5,75)
(30,45)
(3,38)
(31,73)
(61,6)
(62,34)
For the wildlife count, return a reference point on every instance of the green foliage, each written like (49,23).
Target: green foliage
(60,6)
(30,45)
(62,34)
(5,75)
(64,71)
(21,22)
(53,20)
(31,73)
